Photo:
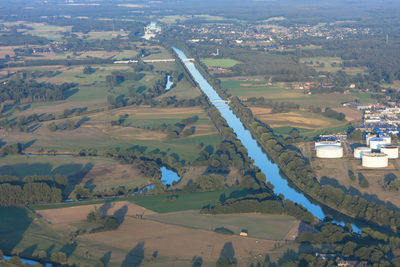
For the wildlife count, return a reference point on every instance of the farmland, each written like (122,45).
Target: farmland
(94,172)
(307,122)
(273,227)
(330,64)
(138,129)
(222,62)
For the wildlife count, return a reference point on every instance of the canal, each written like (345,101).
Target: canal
(270,169)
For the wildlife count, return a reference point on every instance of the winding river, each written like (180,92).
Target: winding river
(270,169)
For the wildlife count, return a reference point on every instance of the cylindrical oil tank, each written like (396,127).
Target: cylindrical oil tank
(327,143)
(359,151)
(329,151)
(391,151)
(369,137)
(377,143)
(387,139)
(375,160)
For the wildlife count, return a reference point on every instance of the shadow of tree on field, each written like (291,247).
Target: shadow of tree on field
(227,255)
(89,184)
(70,93)
(120,214)
(106,258)
(68,249)
(104,208)
(197,261)
(135,256)
(13,224)
(28,252)
(50,249)
(22,170)
(77,173)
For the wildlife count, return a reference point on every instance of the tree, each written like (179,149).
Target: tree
(88,70)
(348,249)
(42,254)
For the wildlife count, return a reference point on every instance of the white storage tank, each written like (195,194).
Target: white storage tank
(329,151)
(369,137)
(375,160)
(387,139)
(377,143)
(359,151)
(327,143)
(391,151)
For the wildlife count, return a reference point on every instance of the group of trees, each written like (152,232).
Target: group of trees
(117,77)
(179,128)
(277,107)
(329,113)
(65,125)
(246,201)
(108,222)
(372,247)
(26,91)
(31,189)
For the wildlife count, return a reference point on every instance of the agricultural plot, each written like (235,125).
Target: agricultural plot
(282,92)
(190,201)
(96,173)
(138,129)
(270,227)
(48,31)
(330,64)
(26,234)
(220,62)
(298,118)
(136,242)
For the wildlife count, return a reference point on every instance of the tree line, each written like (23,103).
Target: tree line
(31,189)
(28,91)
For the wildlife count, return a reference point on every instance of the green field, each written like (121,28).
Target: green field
(220,62)
(129,54)
(282,92)
(271,227)
(192,201)
(327,65)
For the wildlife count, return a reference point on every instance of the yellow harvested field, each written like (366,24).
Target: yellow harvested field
(79,213)
(351,114)
(292,119)
(174,244)
(131,133)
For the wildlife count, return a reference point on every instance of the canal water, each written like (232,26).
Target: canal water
(270,169)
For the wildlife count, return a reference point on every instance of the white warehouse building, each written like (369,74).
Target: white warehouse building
(375,160)
(360,151)
(329,151)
